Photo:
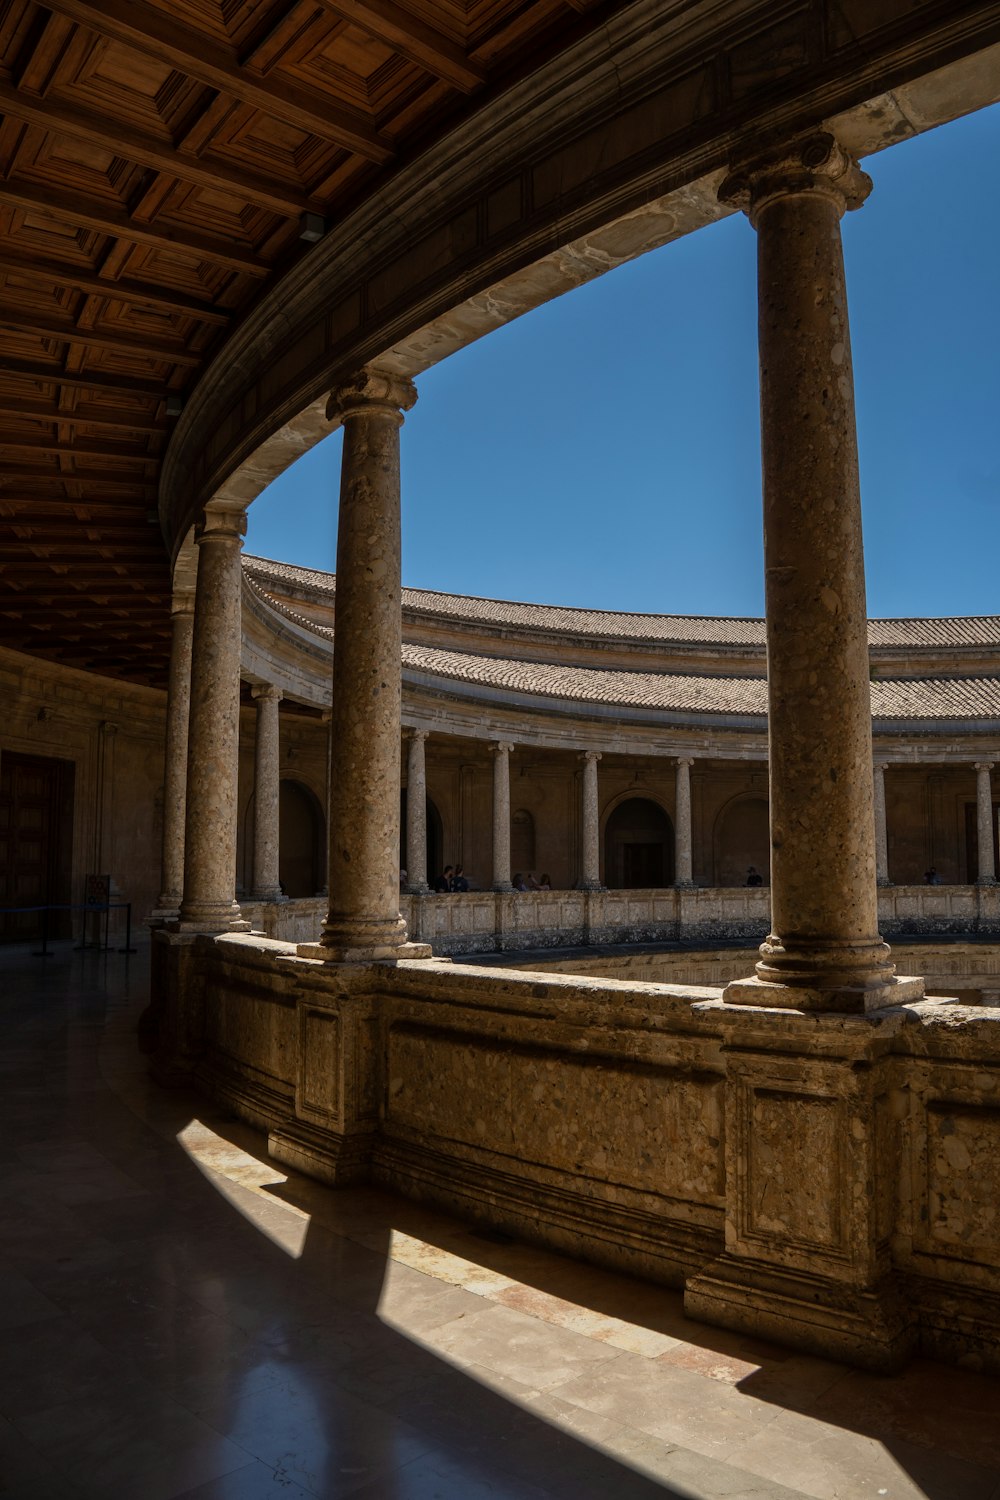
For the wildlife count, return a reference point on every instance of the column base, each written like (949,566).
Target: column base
(372,953)
(211,917)
(845,999)
(272,897)
(164,914)
(868,1326)
(590,885)
(211,925)
(421,889)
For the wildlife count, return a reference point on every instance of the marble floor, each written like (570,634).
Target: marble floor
(181,1318)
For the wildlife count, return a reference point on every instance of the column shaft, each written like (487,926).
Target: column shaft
(209,903)
(682,829)
(175,756)
(824,951)
(364,921)
(266,800)
(501,816)
(416,814)
(591,851)
(984,824)
(881,836)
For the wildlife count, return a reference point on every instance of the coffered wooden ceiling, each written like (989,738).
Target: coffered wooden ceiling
(156,159)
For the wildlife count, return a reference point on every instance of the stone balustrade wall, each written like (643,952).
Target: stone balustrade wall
(631,1123)
(496,921)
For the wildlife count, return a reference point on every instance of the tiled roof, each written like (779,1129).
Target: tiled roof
(682,693)
(983,630)
(911,698)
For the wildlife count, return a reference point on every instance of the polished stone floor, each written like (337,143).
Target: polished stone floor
(180,1317)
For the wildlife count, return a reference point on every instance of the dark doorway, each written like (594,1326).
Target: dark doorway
(36,843)
(742,838)
(435,840)
(301,840)
(638,846)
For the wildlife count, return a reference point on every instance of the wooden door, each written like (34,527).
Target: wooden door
(35,842)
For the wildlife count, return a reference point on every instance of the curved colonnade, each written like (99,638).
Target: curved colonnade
(361,1053)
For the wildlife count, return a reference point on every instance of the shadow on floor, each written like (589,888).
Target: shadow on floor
(169,1332)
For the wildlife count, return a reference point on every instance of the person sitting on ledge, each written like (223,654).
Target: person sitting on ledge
(444,882)
(518,882)
(459,880)
(754,877)
(931,877)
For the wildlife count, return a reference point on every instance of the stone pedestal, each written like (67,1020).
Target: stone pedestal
(824,951)
(209,902)
(682,827)
(501,816)
(812,1150)
(590,824)
(416,814)
(175,758)
(363,922)
(266,805)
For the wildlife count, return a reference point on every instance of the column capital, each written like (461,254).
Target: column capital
(221,523)
(880,764)
(985,765)
(814,163)
(182,603)
(504,746)
(267,691)
(585,755)
(371,390)
(685,760)
(417,734)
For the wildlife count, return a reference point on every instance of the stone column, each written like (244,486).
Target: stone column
(824,951)
(682,828)
(363,923)
(984,823)
(416,814)
(881,837)
(266,801)
(591,851)
(175,757)
(501,816)
(209,903)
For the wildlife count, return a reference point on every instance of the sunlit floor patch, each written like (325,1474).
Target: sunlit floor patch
(243,1180)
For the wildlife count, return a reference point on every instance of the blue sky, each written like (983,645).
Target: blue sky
(604,450)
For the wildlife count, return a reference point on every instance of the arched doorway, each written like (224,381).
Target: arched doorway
(301,840)
(522,842)
(638,846)
(741,839)
(435,840)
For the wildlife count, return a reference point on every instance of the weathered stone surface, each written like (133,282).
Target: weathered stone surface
(363,919)
(209,903)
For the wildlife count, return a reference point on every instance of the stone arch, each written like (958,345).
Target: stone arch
(638,845)
(435,838)
(301,839)
(741,838)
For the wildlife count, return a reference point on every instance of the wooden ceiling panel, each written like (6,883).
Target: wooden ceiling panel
(155,159)
(119,82)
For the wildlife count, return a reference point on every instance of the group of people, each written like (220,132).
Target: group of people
(529,883)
